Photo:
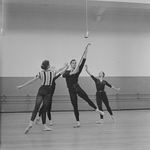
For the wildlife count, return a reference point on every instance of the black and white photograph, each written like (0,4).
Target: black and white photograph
(74,74)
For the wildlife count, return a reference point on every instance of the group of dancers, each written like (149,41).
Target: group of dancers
(47,88)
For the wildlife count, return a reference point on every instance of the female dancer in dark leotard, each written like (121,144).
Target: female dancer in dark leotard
(101,94)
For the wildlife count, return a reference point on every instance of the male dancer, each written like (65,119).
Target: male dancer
(75,89)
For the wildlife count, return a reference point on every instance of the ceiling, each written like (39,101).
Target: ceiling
(74,2)
(98,7)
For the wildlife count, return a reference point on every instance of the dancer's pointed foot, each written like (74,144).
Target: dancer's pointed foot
(50,123)
(77,125)
(47,128)
(99,111)
(28,129)
(37,120)
(100,121)
(113,118)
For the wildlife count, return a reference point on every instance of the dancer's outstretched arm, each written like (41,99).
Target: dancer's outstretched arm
(28,82)
(115,88)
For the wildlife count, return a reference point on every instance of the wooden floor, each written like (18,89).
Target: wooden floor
(130,132)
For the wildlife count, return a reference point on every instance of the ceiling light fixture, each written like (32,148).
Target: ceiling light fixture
(2,28)
(87,32)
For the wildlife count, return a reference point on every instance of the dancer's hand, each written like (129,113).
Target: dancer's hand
(67,66)
(19,87)
(88,45)
(86,67)
(86,48)
(118,89)
(115,88)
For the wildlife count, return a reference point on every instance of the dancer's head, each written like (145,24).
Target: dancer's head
(45,65)
(102,74)
(73,63)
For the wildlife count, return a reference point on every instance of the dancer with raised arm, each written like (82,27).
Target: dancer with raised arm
(101,94)
(44,93)
(75,89)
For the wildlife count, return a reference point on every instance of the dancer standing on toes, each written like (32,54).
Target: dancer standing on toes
(101,94)
(44,93)
(52,93)
(74,88)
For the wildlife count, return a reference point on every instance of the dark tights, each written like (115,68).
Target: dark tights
(44,95)
(77,90)
(48,110)
(49,107)
(102,97)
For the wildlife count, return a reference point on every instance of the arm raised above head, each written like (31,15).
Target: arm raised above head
(82,60)
(86,68)
(84,54)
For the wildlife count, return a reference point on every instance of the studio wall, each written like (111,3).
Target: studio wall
(119,47)
(119,42)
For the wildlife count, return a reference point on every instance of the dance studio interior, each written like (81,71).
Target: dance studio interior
(118,34)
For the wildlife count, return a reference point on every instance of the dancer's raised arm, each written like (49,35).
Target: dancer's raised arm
(84,54)
(82,61)
(86,68)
